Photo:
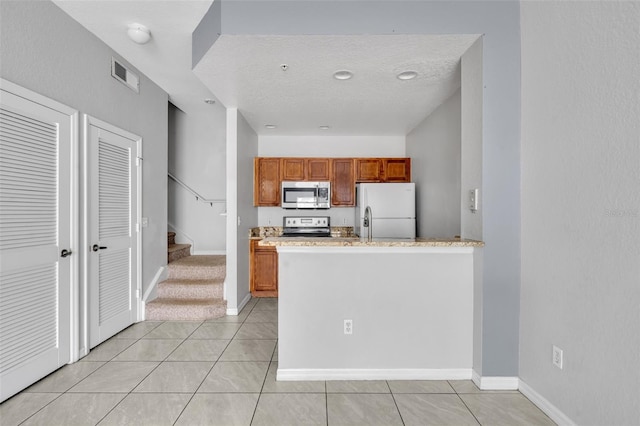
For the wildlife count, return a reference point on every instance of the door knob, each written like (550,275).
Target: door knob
(65,253)
(97,247)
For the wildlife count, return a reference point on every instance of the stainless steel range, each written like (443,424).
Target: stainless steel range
(306,226)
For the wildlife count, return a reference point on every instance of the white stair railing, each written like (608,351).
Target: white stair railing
(210,201)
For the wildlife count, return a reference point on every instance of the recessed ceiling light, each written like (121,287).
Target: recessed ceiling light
(324,127)
(407,75)
(342,75)
(209,101)
(270,126)
(139,33)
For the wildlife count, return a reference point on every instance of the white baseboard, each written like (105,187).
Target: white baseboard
(236,311)
(495,383)
(548,408)
(156,279)
(293,374)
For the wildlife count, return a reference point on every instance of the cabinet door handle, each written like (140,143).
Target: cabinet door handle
(65,253)
(97,247)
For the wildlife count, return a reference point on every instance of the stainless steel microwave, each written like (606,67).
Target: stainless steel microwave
(306,195)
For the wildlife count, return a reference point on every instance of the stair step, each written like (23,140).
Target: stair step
(171,238)
(185,309)
(211,267)
(191,289)
(177,252)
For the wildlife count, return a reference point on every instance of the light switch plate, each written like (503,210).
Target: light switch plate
(473,200)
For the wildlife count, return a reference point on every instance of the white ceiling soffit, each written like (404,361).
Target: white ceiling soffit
(244,71)
(166,58)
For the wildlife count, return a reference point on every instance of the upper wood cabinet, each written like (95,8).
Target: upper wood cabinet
(318,169)
(383,169)
(343,173)
(306,169)
(293,169)
(368,169)
(396,169)
(343,182)
(266,181)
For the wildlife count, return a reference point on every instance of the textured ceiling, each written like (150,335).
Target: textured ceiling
(244,71)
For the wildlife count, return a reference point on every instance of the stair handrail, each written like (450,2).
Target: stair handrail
(199,197)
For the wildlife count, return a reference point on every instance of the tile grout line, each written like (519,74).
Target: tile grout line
(326,401)
(112,360)
(465,405)
(255,409)
(203,379)
(395,402)
(214,364)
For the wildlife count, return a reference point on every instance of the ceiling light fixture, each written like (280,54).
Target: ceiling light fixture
(270,126)
(407,75)
(209,101)
(342,75)
(139,33)
(324,127)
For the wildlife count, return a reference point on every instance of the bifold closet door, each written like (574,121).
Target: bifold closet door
(36,253)
(112,228)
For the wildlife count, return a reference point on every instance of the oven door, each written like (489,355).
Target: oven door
(299,197)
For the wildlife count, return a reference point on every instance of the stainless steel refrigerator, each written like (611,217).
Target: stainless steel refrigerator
(392,208)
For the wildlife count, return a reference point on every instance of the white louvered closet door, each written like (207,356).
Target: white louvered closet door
(35,227)
(112,233)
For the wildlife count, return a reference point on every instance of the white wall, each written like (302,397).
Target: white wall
(471,88)
(242,147)
(581,207)
(324,146)
(434,148)
(331,146)
(197,157)
(412,312)
(247,149)
(46,51)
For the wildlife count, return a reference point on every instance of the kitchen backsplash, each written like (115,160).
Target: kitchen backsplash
(272,216)
(276,231)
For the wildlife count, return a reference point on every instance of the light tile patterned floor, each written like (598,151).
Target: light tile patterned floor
(222,372)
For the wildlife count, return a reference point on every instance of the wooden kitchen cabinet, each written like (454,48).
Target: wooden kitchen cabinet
(269,172)
(306,169)
(383,170)
(266,181)
(318,169)
(263,272)
(396,169)
(343,182)
(293,169)
(368,170)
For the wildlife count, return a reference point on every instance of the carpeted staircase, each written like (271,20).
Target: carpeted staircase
(194,288)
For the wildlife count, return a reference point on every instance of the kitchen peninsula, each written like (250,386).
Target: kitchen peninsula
(352,309)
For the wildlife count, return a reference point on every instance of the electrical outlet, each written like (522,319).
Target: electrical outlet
(348,326)
(557,357)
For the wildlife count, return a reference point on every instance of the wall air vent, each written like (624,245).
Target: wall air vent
(125,75)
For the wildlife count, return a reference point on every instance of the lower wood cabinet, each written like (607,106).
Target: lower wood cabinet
(263,261)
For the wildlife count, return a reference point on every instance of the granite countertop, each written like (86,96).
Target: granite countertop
(362,242)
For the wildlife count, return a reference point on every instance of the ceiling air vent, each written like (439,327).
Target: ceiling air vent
(125,75)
